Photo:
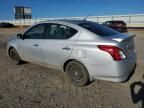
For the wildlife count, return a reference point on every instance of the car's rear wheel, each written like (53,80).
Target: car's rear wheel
(77,73)
(14,56)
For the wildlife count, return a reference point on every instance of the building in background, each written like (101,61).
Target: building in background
(22,12)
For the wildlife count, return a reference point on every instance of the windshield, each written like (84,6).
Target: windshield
(98,29)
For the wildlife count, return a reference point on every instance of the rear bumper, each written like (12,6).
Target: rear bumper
(116,71)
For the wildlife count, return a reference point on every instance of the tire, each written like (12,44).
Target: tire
(14,56)
(77,73)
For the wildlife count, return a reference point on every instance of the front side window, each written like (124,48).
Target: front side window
(35,32)
(58,31)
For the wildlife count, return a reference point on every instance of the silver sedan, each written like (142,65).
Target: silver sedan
(84,50)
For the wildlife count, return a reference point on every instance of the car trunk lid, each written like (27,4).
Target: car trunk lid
(126,42)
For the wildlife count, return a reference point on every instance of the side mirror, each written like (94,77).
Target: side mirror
(20,36)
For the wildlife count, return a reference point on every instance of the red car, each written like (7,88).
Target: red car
(119,26)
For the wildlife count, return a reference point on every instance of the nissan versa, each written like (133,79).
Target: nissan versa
(84,50)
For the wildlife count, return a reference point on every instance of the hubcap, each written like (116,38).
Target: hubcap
(14,56)
(76,73)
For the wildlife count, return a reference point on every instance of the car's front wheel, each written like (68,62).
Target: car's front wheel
(14,56)
(77,73)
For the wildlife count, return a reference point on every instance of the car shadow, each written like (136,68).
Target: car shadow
(137,92)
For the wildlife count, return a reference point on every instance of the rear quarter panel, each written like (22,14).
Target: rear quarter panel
(86,49)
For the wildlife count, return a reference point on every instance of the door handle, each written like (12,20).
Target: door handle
(66,48)
(36,45)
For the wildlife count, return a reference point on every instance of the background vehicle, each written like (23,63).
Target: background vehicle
(120,26)
(6,25)
(84,50)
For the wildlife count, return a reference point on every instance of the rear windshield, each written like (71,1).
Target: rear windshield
(98,29)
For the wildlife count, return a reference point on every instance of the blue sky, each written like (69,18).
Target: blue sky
(70,8)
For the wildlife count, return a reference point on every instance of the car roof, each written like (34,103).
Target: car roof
(77,22)
(115,21)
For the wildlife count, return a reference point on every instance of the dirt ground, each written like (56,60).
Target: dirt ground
(33,86)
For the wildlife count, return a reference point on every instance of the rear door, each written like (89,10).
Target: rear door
(57,45)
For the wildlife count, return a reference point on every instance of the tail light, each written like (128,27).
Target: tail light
(115,52)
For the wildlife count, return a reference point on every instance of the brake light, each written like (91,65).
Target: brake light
(115,52)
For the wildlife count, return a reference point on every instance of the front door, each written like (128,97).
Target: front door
(32,43)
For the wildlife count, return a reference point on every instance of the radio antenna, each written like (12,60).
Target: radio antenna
(85,18)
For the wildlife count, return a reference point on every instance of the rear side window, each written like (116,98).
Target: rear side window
(98,29)
(107,23)
(58,31)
